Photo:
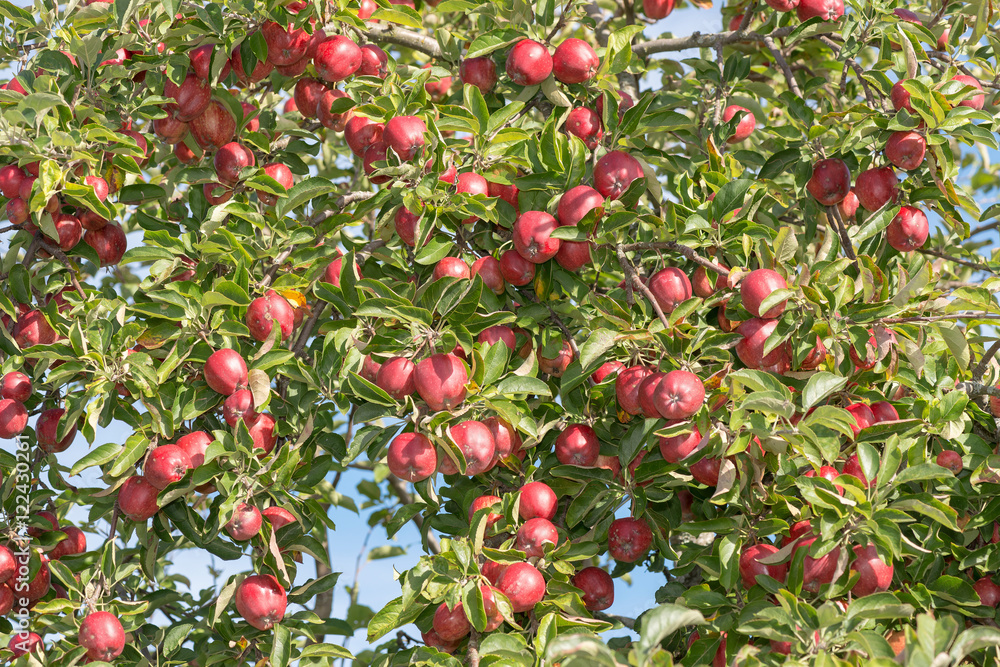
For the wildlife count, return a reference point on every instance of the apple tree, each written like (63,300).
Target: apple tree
(582,300)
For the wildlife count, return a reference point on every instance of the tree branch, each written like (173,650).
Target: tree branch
(952,258)
(978,389)
(838,224)
(779,57)
(672,246)
(633,281)
(412,40)
(699,40)
(977,372)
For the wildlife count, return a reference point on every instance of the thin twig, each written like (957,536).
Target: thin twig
(672,246)
(838,224)
(977,372)
(941,318)
(699,40)
(978,389)
(473,649)
(779,57)
(952,258)
(632,279)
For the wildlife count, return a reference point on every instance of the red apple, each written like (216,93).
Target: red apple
(216,193)
(226,371)
(476,443)
(195,444)
(505,437)
(532,236)
(908,230)
(192,96)
(615,172)
(102,634)
(750,350)
(285,45)
(657,9)
(678,447)
(361,133)
(47,429)
(33,329)
(679,395)
(759,285)
(751,567)
(534,534)
(278,517)
(479,72)
(165,465)
(324,111)
(473,184)
(483,502)
(74,544)
(508,193)
(900,97)
(629,539)
(849,206)
(537,500)
(627,388)
(412,457)
(598,588)
(337,58)
(13,418)
(437,89)
(238,407)
(17,211)
(577,203)
(706,470)
(574,61)
(137,499)
(230,160)
(261,601)
(395,377)
(988,591)
(577,445)
(871,354)
(853,467)
(975,101)
(515,269)
(557,366)
(906,149)
(876,187)
(245,523)
(816,571)
(453,267)
(11,177)
(523,585)
(69,231)
(828,10)
(451,625)
(8,566)
(488,268)
(22,643)
(745,126)
(262,432)
(441,380)
(529,63)
(875,574)
(374,62)
(951,460)
(264,311)
(405,136)
(830,182)
(670,287)
(863,417)
(214,127)
(308,92)
(585,123)
(201,62)
(884,412)
(16,386)
(498,334)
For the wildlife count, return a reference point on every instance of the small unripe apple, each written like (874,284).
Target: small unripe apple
(629,539)
(102,634)
(614,173)
(137,499)
(479,72)
(830,182)
(441,380)
(245,523)
(577,445)
(261,601)
(529,63)
(574,61)
(395,377)
(908,230)
(165,465)
(534,534)
(877,187)
(745,126)
(523,585)
(759,285)
(337,58)
(226,371)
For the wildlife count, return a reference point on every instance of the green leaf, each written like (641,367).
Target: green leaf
(660,622)
(326,651)
(303,192)
(524,385)
(96,457)
(819,386)
(281,646)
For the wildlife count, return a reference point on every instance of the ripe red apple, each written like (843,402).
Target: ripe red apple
(508,193)
(47,429)
(577,445)
(498,334)
(245,523)
(264,311)
(395,377)
(975,101)
(577,203)
(557,366)
(488,268)
(13,418)
(515,269)
(361,133)
(627,388)
(759,285)
(815,571)
(951,460)
(332,272)
(33,329)
(828,10)
(906,149)
(678,447)
(573,255)
(988,591)
(830,182)
(657,9)
(285,45)
(308,92)
(574,61)
(405,223)
(706,470)
(523,585)
(647,395)
(505,437)
(431,638)
(585,123)
(437,89)
(261,601)
(278,517)
(17,211)
(615,172)
(453,267)
(871,354)
(11,177)
(24,643)
(884,412)
(216,193)
(479,72)
(534,534)
(170,129)
(230,159)
(875,574)
(201,62)
(337,58)
(629,539)
(483,502)
(225,371)
(194,445)
(862,416)
(215,126)
(102,634)
(69,231)
(283,175)
(900,98)
(8,566)
(745,126)
(853,467)
(441,380)
(262,432)
(529,63)
(877,187)
(750,350)
(782,5)
(670,287)
(451,625)
(537,500)
(908,230)
(476,443)
(74,544)
(532,235)
(412,457)
(751,567)
(405,136)
(238,407)
(137,499)
(704,285)
(679,395)
(324,110)
(598,588)
(473,184)
(165,465)
(849,206)
(192,96)
(374,62)
(16,386)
